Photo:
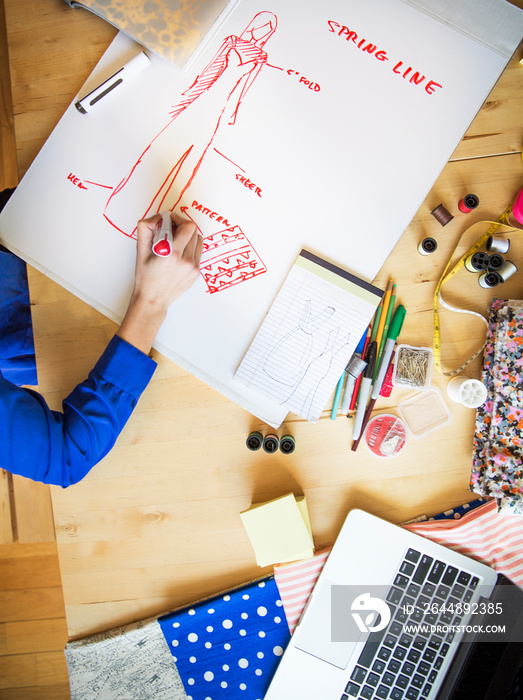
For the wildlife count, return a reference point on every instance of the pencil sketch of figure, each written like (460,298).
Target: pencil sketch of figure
(298,342)
(303,398)
(167,166)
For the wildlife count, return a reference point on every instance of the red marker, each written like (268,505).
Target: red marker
(163,238)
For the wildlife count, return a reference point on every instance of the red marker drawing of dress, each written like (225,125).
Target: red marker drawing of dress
(164,171)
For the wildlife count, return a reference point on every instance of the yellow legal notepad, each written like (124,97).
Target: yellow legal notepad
(279,530)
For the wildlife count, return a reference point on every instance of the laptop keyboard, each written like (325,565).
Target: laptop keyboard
(401,664)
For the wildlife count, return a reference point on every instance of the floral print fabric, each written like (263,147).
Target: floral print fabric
(497,468)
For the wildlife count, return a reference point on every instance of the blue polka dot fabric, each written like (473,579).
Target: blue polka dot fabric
(229,647)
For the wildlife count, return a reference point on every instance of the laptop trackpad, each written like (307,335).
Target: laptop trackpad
(314,632)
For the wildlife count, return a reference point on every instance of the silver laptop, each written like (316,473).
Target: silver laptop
(392,616)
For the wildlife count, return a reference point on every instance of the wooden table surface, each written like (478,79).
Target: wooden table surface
(156,524)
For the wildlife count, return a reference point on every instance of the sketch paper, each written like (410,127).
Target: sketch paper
(298,125)
(309,336)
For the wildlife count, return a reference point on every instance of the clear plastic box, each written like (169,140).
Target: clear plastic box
(425,413)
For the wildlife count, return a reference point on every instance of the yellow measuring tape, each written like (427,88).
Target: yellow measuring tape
(448,274)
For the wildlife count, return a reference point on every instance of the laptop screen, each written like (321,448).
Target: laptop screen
(488,669)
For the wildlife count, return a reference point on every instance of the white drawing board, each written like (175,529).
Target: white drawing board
(318,125)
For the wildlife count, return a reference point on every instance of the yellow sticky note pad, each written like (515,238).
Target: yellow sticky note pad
(279,530)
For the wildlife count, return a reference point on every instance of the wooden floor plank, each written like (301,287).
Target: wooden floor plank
(33,510)
(33,630)
(33,636)
(30,604)
(27,551)
(52,692)
(8,161)
(6,523)
(37,571)
(17,671)
(30,670)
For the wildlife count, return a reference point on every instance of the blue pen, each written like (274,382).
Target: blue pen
(361,344)
(337,396)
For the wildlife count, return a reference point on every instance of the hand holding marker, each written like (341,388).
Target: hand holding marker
(163,238)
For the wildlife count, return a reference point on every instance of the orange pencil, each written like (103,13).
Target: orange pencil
(386,327)
(383,318)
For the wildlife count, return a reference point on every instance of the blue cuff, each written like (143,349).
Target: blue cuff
(114,364)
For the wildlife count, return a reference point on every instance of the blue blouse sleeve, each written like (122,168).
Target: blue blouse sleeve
(61,448)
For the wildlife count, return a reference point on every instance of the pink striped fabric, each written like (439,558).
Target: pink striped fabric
(295,583)
(483,534)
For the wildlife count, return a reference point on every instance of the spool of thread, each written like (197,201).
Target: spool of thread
(287,444)
(489,279)
(254,441)
(270,443)
(477,262)
(497,245)
(495,261)
(442,215)
(468,392)
(507,270)
(427,246)
(468,203)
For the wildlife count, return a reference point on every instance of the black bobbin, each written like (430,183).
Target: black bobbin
(254,441)
(495,261)
(489,279)
(477,262)
(270,443)
(287,444)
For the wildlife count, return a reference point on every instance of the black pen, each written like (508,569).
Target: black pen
(365,387)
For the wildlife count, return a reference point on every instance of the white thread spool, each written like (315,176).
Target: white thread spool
(427,246)
(497,245)
(468,392)
(489,279)
(507,270)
